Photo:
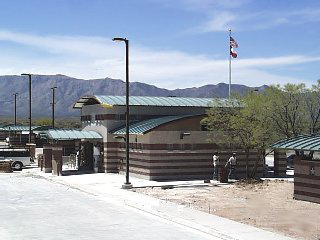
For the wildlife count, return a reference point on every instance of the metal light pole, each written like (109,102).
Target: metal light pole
(15,108)
(53,103)
(127,184)
(30,106)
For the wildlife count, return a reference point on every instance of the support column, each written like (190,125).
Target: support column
(280,163)
(47,158)
(57,152)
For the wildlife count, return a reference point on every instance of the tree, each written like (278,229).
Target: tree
(235,122)
(284,109)
(257,120)
(312,106)
(43,122)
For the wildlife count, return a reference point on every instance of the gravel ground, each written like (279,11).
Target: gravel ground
(264,204)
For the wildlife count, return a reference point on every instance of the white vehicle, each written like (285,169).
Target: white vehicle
(20,157)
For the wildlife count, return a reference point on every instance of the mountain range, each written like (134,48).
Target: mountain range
(69,90)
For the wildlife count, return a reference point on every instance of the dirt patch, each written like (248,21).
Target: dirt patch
(265,204)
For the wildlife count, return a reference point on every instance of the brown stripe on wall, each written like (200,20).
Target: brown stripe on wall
(307,180)
(308,163)
(308,185)
(171,167)
(306,198)
(173,174)
(112,144)
(178,161)
(168,154)
(123,117)
(306,176)
(309,194)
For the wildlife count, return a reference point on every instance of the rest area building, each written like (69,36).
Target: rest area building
(167,139)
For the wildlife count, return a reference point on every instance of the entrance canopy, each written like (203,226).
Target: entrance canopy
(70,135)
(303,143)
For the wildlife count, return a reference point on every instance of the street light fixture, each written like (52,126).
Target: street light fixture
(53,103)
(127,184)
(30,113)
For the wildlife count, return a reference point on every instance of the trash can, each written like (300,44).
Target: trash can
(5,166)
(223,174)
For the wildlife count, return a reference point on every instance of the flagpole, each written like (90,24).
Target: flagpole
(229,64)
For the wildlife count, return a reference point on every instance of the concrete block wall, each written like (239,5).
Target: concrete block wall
(159,162)
(280,163)
(47,158)
(307,180)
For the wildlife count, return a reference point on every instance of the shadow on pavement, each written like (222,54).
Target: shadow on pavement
(75,172)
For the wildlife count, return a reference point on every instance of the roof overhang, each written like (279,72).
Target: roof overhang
(302,143)
(86,100)
(109,101)
(60,135)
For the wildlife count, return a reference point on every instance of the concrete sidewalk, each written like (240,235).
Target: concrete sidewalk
(108,188)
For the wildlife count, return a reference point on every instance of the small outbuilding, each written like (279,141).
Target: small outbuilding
(63,143)
(18,135)
(306,165)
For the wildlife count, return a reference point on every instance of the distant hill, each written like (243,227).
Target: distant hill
(71,89)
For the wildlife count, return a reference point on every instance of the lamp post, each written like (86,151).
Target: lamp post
(15,108)
(30,112)
(53,103)
(127,184)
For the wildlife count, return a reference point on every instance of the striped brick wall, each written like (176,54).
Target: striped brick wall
(280,163)
(161,162)
(111,160)
(47,158)
(307,180)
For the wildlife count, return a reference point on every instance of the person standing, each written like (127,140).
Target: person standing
(232,162)
(215,160)
(96,157)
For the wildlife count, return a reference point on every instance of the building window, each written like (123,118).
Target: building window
(204,128)
(86,118)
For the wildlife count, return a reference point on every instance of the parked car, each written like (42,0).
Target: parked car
(19,157)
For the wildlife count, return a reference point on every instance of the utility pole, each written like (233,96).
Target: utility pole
(15,108)
(53,103)
(30,106)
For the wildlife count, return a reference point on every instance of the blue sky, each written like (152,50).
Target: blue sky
(173,43)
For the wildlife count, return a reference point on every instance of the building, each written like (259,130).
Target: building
(306,165)
(167,139)
(18,135)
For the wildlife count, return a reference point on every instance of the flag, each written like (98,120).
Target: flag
(233,43)
(233,53)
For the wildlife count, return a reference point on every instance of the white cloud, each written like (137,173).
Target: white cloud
(95,57)
(219,22)
(202,5)
(223,19)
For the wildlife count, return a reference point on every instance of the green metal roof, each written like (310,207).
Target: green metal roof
(303,142)
(144,101)
(71,134)
(147,125)
(23,128)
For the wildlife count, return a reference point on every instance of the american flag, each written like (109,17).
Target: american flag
(233,43)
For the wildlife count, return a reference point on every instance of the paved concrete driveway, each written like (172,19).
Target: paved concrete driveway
(34,208)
